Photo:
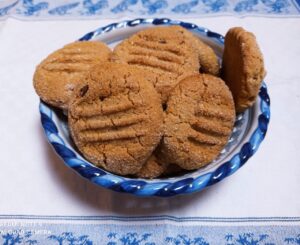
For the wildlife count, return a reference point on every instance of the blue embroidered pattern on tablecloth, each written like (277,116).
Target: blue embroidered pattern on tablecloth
(42,9)
(113,230)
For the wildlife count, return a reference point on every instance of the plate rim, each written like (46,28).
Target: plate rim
(158,187)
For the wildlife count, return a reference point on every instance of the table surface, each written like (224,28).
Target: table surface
(34,180)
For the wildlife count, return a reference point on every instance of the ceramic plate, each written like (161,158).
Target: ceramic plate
(249,130)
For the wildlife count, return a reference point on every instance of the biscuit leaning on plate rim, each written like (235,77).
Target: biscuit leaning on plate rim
(161,63)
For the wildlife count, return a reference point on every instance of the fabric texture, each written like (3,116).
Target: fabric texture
(91,9)
(143,231)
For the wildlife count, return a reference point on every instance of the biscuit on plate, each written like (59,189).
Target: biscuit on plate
(207,58)
(56,76)
(164,51)
(115,118)
(242,67)
(199,120)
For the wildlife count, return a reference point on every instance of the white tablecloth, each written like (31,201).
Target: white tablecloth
(34,182)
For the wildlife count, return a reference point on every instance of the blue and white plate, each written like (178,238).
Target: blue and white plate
(249,130)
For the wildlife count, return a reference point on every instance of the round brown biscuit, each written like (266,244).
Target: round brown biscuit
(56,77)
(242,67)
(164,51)
(199,120)
(116,118)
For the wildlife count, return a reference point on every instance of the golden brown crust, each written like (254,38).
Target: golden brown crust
(207,58)
(164,51)
(153,168)
(115,118)
(199,120)
(56,77)
(242,67)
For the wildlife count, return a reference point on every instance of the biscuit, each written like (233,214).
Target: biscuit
(164,51)
(199,120)
(242,67)
(207,58)
(115,118)
(56,77)
(153,168)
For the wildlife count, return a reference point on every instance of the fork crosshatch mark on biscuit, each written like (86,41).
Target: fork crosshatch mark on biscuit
(117,122)
(57,76)
(198,122)
(163,51)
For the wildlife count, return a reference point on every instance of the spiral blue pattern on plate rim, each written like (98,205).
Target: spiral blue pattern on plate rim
(162,187)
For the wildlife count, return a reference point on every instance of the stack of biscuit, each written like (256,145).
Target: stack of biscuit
(156,105)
